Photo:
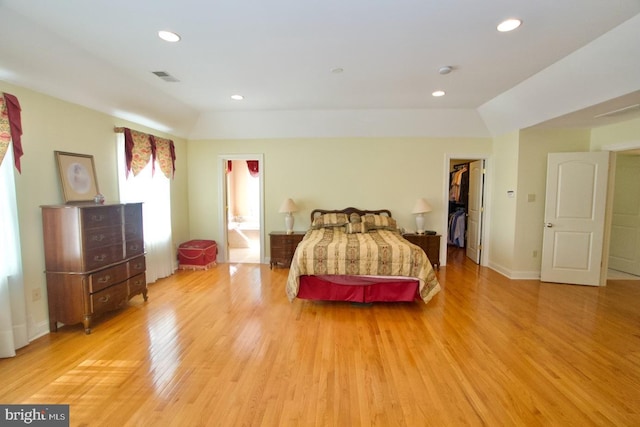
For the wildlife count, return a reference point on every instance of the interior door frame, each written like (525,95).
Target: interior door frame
(615,149)
(485,225)
(614,263)
(222,202)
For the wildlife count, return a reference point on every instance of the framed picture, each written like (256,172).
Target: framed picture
(78,176)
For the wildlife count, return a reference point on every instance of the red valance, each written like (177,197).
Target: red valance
(11,128)
(253,168)
(140,148)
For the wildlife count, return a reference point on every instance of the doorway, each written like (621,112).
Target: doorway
(624,243)
(241,208)
(465,213)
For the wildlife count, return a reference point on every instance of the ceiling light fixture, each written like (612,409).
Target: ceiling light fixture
(168,36)
(445,70)
(509,25)
(237,97)
(437,93)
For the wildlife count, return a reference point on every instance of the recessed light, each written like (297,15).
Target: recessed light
(437,93)
(168,36)
(509,25)
(237,97)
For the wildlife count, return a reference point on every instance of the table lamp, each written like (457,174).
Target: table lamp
(287,207)
(421,207)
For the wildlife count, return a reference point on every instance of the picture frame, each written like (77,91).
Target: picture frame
(78,176)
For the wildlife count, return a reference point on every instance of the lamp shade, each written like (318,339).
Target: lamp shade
(421,206)
(288,206)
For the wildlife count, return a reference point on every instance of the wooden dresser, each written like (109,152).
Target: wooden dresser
(283,246)
(94,260)
(430,244)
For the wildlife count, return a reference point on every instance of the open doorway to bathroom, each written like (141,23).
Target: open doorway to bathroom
(242,216)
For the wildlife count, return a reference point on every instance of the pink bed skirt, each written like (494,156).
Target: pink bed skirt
(358,288)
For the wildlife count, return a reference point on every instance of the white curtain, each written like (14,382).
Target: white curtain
(13,309)
(155,193)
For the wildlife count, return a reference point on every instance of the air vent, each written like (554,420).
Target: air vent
(620,111)
(165,76)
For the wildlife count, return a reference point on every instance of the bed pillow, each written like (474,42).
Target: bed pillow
(330,220)
(356,227)
(377,222)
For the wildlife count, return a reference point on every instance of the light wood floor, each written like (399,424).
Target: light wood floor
(225,347)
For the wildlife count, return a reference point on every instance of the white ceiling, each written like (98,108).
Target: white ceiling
(280,54)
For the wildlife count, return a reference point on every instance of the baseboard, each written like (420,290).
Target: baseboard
(525,275)
(39,330)
(515,275)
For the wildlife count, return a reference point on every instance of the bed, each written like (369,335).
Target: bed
(359,256)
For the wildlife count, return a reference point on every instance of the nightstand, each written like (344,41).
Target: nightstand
(430,244)
(283,246)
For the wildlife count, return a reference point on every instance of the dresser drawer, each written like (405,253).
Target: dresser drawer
(136,266)
(107,277)
(133,248)
(109,299)
(101,216)
(98,257)
(137,285)
(103,236)
(133,231)
(133,213)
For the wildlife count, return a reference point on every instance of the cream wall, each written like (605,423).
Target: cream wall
(331,173)
(503,208)
(51,124)
(621,133)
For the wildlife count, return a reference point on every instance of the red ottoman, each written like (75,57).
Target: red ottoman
(197,254)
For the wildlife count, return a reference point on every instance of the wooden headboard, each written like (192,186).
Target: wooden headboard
(349,211)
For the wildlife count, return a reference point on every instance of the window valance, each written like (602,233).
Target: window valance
(140,148)
(254,171)
(252,166)
(10,127)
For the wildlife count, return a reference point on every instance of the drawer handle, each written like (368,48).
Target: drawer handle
(134,247)
(98,238)
(100,257)
(97,218)
(137,266)
(104,279)
(104,299)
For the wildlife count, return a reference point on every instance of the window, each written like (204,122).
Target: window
(154,190)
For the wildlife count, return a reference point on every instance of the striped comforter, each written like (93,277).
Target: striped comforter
(375,253)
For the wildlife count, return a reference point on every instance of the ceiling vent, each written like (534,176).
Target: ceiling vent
(620,111)
(165,76)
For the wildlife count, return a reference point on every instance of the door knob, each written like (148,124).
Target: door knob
(548,224)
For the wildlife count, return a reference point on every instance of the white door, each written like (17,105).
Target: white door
(624,249)
(475,208)
(574,217)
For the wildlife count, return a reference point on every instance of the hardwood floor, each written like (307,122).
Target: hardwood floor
(225,347)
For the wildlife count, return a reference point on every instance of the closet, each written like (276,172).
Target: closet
(458,203)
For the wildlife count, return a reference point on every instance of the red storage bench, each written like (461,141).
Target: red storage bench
(197,254)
